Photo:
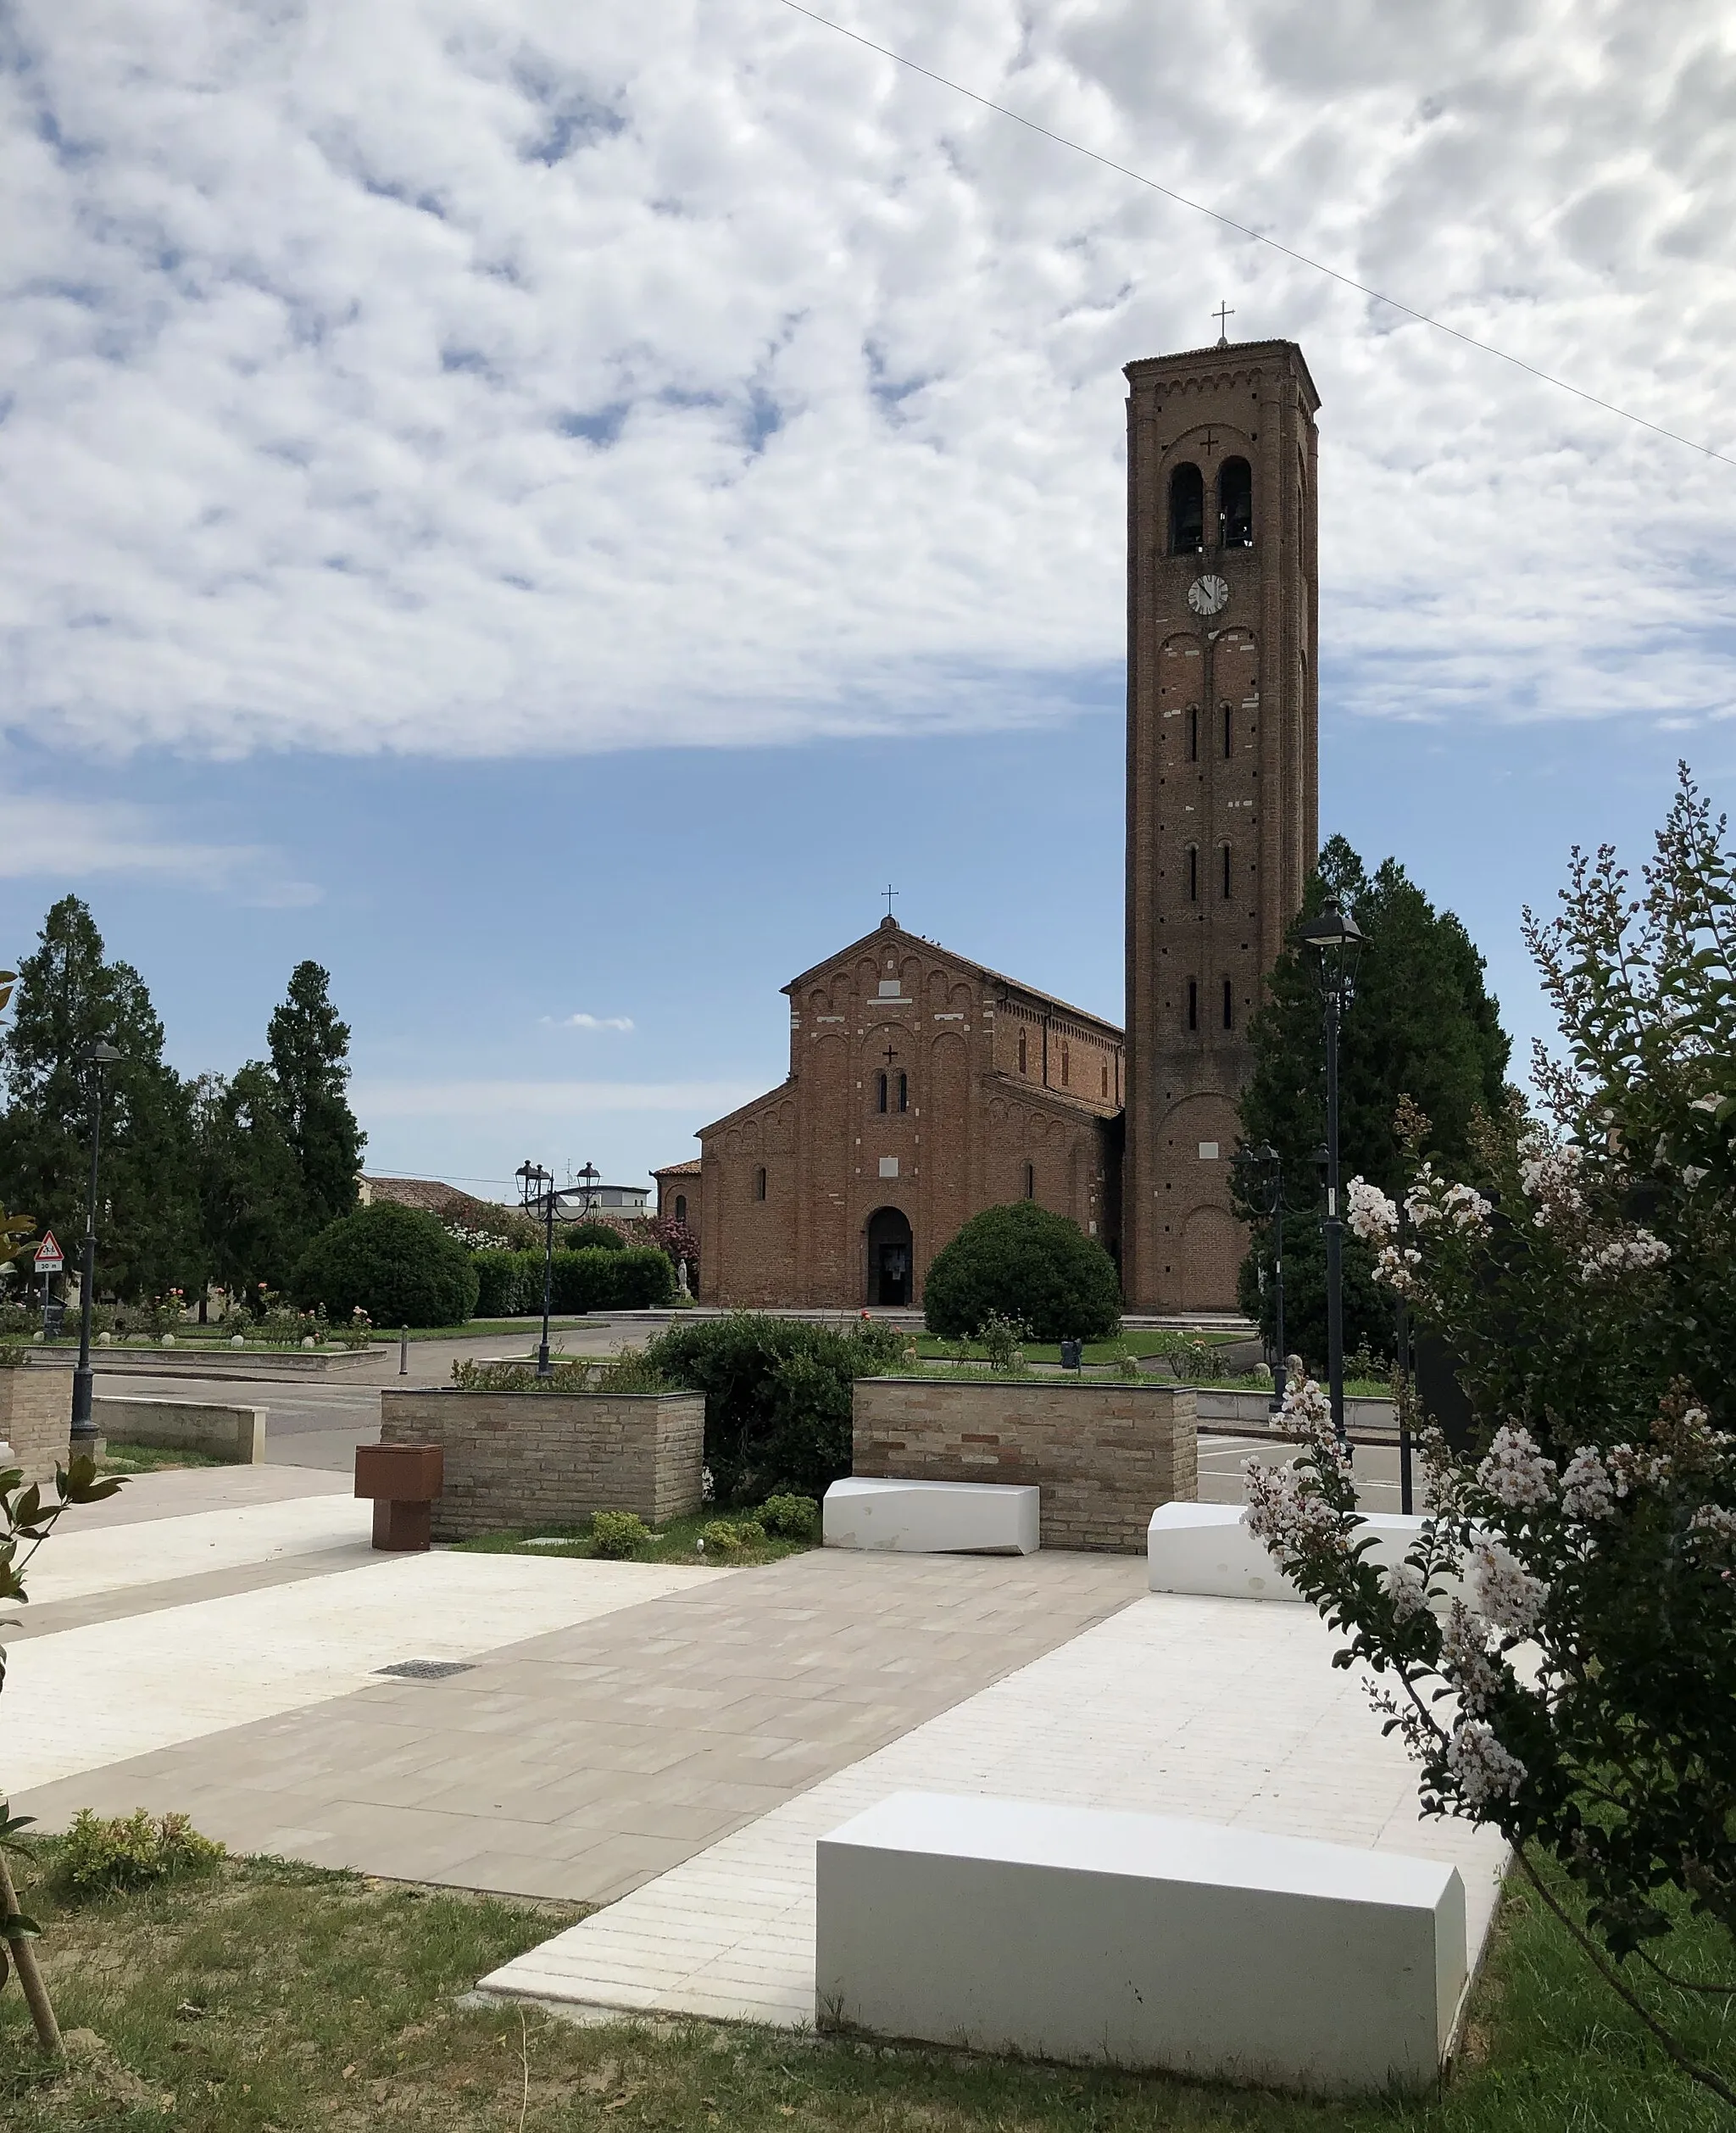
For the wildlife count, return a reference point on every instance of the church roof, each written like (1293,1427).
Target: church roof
(1222,352)
(889,929)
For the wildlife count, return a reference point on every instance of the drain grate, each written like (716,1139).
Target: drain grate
(426,1669)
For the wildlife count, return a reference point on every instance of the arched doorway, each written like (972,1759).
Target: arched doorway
(892,1256)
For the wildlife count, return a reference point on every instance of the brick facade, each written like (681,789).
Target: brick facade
(1222,750)
(923,1088)
(35,1419)
(533,1458)
(1105,1456)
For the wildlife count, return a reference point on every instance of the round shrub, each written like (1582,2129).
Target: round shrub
(1026,1264)
(618,1535)
(398,1264)
(590,1236)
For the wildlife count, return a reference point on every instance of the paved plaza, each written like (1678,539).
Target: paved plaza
(665,1742)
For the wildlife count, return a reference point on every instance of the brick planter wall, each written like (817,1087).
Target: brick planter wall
(1104,1456)
(35,1419)
(537,1459)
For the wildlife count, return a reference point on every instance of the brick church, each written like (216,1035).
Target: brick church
(922,1087)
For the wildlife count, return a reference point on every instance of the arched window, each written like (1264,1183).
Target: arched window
(759,1183)
(1022,1051)
(880,1092)
(1193,733)
(1030,1181)
(1192,1003)
(1229,1006)
(1224,855)
(904,1092)
(1229,730)
(680,1207)
(1066,1063)
(1187,511)
(1193,873)
(1235,504)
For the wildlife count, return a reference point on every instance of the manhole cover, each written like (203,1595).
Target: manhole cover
(426,1669)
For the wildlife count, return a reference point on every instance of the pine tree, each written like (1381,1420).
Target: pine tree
(67,999)
(1421,1024)
(310,1062)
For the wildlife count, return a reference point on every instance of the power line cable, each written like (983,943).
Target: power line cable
(1242,229)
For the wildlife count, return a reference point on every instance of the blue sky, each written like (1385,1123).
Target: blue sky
(547,512)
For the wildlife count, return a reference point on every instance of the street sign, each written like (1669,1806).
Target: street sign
(49,1258)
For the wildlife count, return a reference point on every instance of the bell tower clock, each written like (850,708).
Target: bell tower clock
(1222,779)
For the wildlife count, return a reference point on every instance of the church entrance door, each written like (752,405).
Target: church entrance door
(891,1257)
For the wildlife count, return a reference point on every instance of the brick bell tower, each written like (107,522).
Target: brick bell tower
(1222,778)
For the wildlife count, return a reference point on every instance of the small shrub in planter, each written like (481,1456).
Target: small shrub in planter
(790,1517)
(396,1263)
(777,1396)
(124,1852)
(618,1534)
(1023,1263)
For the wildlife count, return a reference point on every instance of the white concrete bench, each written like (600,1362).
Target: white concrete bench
(1206,1548)
(1081,1935)
(932,1518)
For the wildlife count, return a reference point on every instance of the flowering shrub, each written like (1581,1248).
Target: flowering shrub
(1559,1650)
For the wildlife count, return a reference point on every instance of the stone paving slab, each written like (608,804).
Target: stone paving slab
(1224,1711)
(585,1761)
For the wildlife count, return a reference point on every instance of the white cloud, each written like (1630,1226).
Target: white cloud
(472,379)
(47,838)
(704,1099)
(582,1021)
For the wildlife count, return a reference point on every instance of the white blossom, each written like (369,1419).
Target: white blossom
(1550,1175)
(1692,1175)
(1483,1770)
(1715,1519)
(1629,1255)
(1587,1490)
(1372,1217)
(1510,1596)
(1465,1657)
(1402,1583)
(1285,1513)
(1515,1473)
(1467,1210)
(1706,1103)
(1394,1268)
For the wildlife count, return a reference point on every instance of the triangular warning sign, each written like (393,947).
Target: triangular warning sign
(48,1253)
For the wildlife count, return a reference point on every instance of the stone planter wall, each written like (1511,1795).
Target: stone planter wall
(1104,1456)
(535,1458)
(35,1419)
(235,1433)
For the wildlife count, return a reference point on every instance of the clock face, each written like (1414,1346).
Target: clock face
(1208,595)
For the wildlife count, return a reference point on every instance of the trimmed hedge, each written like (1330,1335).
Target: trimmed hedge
(395,1263)
(1028,1264)
(619,1278)
(777,1396)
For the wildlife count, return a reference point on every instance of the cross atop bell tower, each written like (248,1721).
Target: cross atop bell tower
(1222,778)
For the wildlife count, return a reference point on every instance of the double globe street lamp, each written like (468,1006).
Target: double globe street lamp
(83,1442)
(1336,940)
(537,1184)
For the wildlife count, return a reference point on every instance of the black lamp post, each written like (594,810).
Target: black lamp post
(1337,941)
(535,1183)
(1265,1175)
(83,1443)
(588,1178)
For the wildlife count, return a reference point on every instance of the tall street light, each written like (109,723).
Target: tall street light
(1337,942)
(1264,1176)
(83,1443)
(535,1183)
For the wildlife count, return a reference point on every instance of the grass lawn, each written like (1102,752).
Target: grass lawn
(269,1998)
(675,1542)
(153,1458)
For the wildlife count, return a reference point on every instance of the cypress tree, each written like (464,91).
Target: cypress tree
(67,999)
(1421,1025)
(310,1064)
(250,1182)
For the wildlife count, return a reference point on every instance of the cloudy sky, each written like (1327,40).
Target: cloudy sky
(548,509)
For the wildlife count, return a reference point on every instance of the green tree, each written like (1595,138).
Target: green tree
(310,1061)
(67,999)
(252,1205)
(1025,1262)
(1421,1025)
